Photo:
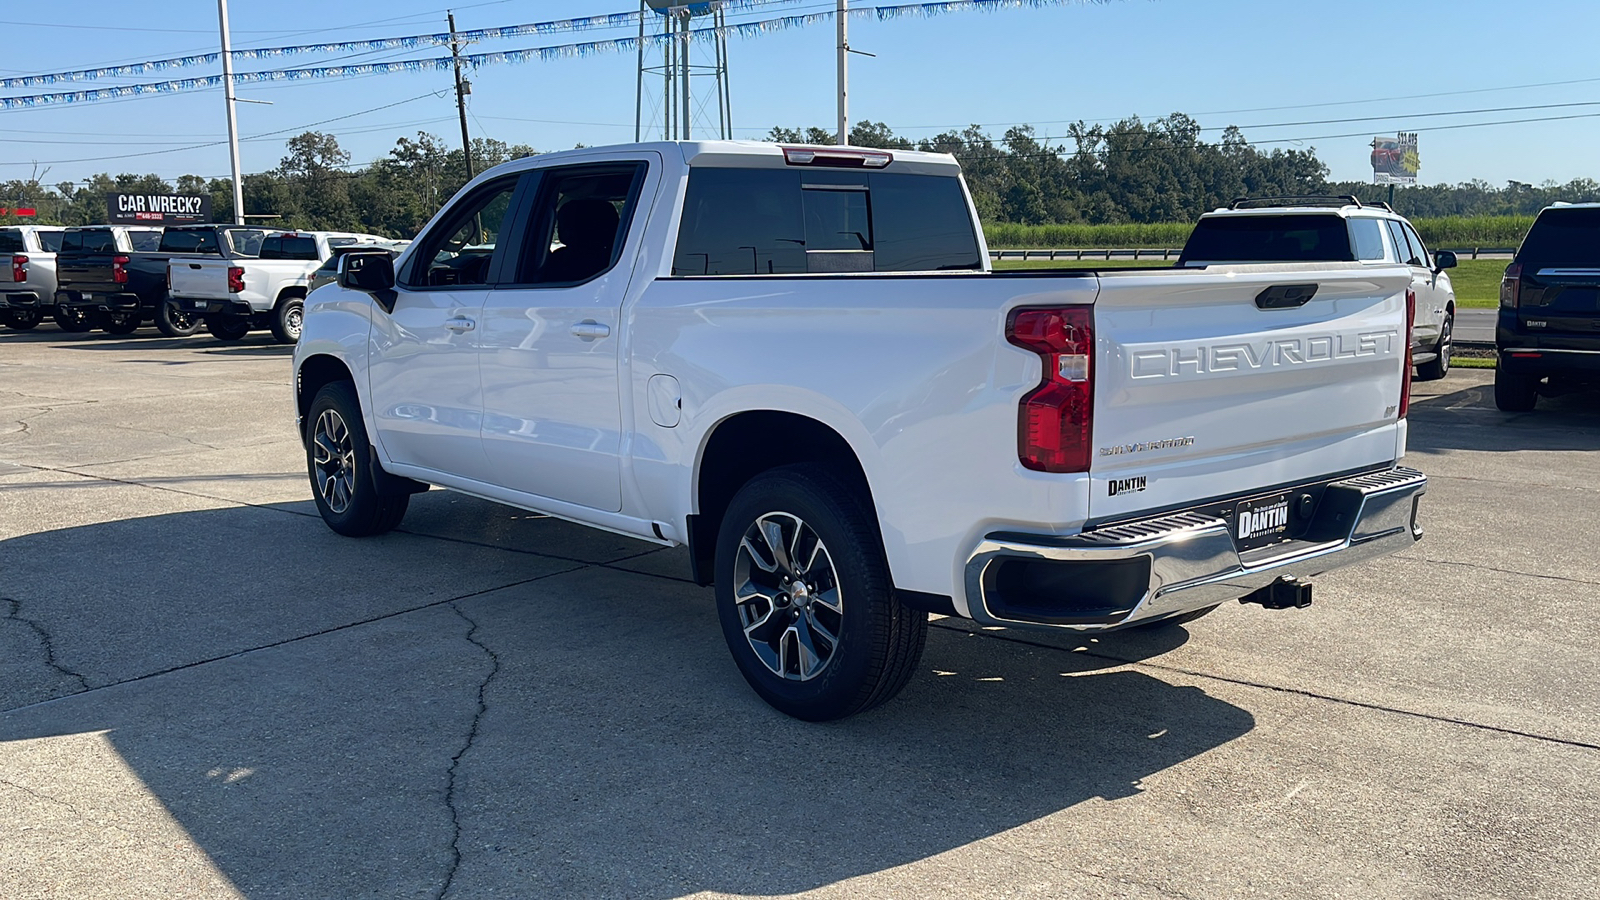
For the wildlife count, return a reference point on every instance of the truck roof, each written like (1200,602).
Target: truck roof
(747,154)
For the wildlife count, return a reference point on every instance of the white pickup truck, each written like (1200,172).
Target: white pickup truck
(233,296)
(795,361)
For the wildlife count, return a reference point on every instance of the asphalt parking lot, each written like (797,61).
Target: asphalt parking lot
(206,693)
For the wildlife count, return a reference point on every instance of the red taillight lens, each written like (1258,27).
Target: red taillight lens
(1405,375)
(1511,285)
(1056,419)
(19,269)
(119,269)
(235,280)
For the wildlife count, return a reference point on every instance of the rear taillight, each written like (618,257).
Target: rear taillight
(1511,285)
(1056,419)
(119,269)
(19,269)
(235,280)
(1405,375)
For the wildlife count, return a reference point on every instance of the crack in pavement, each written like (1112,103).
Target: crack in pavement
(136,836)
(14,613)
(1299,692)
(333,629)
(455,761)
(1471,565)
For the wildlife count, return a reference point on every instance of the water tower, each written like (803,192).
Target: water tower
(683,108)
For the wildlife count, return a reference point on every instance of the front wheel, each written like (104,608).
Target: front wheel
(174,322)
(1514,392)
(73,318)
(287,318)
(22,319)
(338,459)
(804,597)
(1439,366)
(228,328)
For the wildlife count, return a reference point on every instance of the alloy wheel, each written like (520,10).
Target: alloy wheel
(334,458)
(788,597)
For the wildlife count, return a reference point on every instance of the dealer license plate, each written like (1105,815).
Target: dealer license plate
(1257,523)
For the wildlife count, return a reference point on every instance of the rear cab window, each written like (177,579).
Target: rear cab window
(11,241)
(1296,237)
(789,222)
(91,241)
(289,246)
(190,241)
(144,241)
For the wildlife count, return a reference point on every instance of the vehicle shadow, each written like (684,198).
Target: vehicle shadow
(1466,419)
(367,709)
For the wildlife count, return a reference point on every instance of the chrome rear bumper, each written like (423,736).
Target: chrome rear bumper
(1188,560)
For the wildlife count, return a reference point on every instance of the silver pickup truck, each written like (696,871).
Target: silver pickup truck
(30,286)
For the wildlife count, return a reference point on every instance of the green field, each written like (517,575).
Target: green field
(1476,281)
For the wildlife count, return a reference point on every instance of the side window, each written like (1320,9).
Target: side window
(578,222)
(1408,254)
(1368,238)
(1416,244)
(460,249)
(11,241)
(245,242)
(741,222)
(144,241)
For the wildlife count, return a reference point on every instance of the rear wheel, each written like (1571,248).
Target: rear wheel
(1514,391)
(174,322)
(1439,366)
(287,319)
(804,597)
(73,318)
(338,459)
(119,322)
(22,319)
(228,328)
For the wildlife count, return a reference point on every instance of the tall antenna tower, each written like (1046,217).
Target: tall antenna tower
(681,94)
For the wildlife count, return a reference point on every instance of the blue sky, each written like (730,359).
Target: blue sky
(1280,68)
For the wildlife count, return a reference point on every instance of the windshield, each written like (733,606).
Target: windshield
(1563,239)
(1245,239)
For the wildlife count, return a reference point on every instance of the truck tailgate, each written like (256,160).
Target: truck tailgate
(198,279)
(1209,388)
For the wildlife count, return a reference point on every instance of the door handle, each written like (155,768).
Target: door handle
(460,324)
(591,330)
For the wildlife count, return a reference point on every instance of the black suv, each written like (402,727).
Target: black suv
(1549,325)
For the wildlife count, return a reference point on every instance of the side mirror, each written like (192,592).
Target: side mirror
(371,272)
(1443,259)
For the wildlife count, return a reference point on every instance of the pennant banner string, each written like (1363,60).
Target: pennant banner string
(476,60)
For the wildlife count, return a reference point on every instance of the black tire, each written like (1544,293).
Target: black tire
(344,485)
(119,323)
(72,318)
(1515,392)
(22,319)
(228,328)
(287,319)
(879,641)
(174,322)
(1439,366)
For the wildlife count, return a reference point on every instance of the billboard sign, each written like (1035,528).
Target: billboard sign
(158,209)
(1395,159)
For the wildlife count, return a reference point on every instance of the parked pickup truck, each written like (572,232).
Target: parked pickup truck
(30,250)
(235,296)
(118,288)
(795,361)
(1337,229)
(1547,335)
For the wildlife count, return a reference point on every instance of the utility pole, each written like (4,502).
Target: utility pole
(684,52)
(233,120)
(844,73)
(462,89)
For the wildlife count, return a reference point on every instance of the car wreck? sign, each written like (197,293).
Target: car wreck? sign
(157,209)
